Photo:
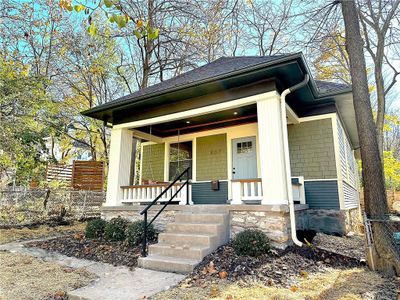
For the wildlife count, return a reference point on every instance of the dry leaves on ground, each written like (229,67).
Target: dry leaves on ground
(115,253)
(43,231)
(354,284)
(25,277)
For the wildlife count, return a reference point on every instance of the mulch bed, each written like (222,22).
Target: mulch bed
(279,267)
(115,253)
(352,245)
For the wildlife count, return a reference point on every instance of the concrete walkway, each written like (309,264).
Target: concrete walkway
(113,283)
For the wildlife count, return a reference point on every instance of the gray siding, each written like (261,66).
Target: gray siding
(203,194)
(349,172)
(350,194)
(322,194)
(347,160)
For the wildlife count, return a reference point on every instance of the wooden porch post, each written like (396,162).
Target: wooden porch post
(272,158)
(119,165)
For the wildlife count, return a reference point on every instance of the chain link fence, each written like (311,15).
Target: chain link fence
(383,236)
(35,206)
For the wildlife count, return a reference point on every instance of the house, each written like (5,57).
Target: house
(258,135)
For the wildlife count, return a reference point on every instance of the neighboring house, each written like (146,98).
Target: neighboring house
(224,121)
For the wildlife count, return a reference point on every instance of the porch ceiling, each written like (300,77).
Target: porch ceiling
(225,118)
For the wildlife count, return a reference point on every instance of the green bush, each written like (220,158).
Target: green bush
(115,229)
(251,242)
(134,233)
(95,228)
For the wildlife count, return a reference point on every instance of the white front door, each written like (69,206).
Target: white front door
(244,158)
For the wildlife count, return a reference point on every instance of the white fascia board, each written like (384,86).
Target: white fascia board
(317,117)
(292,117)
(146,136)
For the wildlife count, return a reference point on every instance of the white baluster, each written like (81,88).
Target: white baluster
(252,190)
(143,194)
(245,190)
(259,189)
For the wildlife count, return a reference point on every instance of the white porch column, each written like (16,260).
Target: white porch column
(272,158)
(119,164)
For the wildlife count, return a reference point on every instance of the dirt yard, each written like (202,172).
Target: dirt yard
(25,277)
(351,284)
(330,269)
(40,232)
(76,245)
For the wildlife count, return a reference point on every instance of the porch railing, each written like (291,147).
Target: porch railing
(146,193)
(144,212)
(250,190)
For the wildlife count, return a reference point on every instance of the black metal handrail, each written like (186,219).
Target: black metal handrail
(144,211)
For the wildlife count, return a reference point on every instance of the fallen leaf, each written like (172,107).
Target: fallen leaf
(211,269)
(223,274)
(294,288)
(79,236)
(68,270)
(214,291)
(303,273)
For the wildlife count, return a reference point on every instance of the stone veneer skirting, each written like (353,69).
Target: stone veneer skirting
(272,219)
(330,221)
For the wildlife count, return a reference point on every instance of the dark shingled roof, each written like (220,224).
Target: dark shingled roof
(331,87)
(219,67)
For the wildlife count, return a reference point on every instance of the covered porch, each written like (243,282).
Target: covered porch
(235,152)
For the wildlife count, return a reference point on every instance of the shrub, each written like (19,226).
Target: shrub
(115,229)
(95,228)
(134,233)
(251,242)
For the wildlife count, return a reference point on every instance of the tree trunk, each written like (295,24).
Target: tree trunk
(380,113)
(376,205)
(372,172)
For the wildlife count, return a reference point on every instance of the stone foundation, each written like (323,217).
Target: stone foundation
(272,219)
(167,216)
(337,222)
(276,225)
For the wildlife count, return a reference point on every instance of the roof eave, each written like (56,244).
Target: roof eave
(117,103)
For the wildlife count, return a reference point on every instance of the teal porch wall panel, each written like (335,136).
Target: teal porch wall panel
(323,194)
(203,194)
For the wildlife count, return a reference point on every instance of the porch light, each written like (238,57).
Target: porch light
(187,122)
(235,113)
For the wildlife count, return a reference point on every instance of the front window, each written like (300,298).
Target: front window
(180,157)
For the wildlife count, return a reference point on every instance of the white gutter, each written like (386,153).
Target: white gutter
(287,157)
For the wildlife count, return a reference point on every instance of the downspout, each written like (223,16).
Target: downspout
(287,157)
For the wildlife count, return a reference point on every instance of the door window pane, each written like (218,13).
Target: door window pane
(244,147)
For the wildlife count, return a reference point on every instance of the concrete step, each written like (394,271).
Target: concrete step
(201,218)
(211,228)
(168,264)
(188,239)
(196,253)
